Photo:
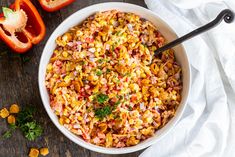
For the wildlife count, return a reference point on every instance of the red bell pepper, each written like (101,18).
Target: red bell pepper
(21,27)
(54,5)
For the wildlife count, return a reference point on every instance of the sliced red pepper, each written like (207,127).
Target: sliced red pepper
(54,5)
(21,28)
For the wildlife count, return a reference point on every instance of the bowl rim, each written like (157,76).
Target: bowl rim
(67,133)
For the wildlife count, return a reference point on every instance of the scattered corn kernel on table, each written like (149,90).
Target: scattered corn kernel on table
(19,84)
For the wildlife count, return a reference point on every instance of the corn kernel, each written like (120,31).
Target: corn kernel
(145,81)
(138,95)
(67,121)
(61,121)
(65,112)
(146,97)
(132,141)
(169,65)
(67,79)
(96,54)
(147,131)
(80,118)
(125,84)
(138,123)
(143,75)
(34,152)
(11,119)
(144,90)
(65,54)
(102,22)
(154,48)
(136,87)
(14,108)
(91,98)
(111,95)
(131,121)
(49,67)
(79,33)
(67,37)
(44,151)
(4,113)
(109,140)
(77,86)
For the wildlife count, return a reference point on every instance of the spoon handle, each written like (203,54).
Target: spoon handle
(226,15)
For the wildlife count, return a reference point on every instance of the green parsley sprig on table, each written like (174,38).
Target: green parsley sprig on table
(26,123)
(8,133)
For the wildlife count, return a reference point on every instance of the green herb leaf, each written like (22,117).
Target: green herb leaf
(101,98)
(108,70)
(118,33)
(31,130)
(24,116)
(112,48)
(7,12)
(12,126)
(27,124)
(130,108)
(103,112)
(25,59)
(8,133)
(100,60)
(99,73)
(117,103)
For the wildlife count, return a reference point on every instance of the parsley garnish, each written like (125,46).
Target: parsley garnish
(8,133)
(120,97)
(118,33)
(99,73)
(100,60)
(31,130)
(116,104)
(103,112)
(106,110)
(112,47)
(108,70)
(101,98)
(130,108)
(29,127)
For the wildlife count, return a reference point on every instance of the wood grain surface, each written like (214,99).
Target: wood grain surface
(19,84)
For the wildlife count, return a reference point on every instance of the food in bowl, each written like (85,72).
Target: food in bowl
(104,85)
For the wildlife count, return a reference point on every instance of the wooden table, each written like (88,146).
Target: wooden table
(19,84)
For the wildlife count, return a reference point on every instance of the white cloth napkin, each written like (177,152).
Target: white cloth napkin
(207,128)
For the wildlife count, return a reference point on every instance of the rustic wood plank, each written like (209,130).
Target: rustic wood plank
(18,84)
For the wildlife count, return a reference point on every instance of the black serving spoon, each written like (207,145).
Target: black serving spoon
(226,15)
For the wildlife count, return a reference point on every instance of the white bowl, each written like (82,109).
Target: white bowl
(77,18)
